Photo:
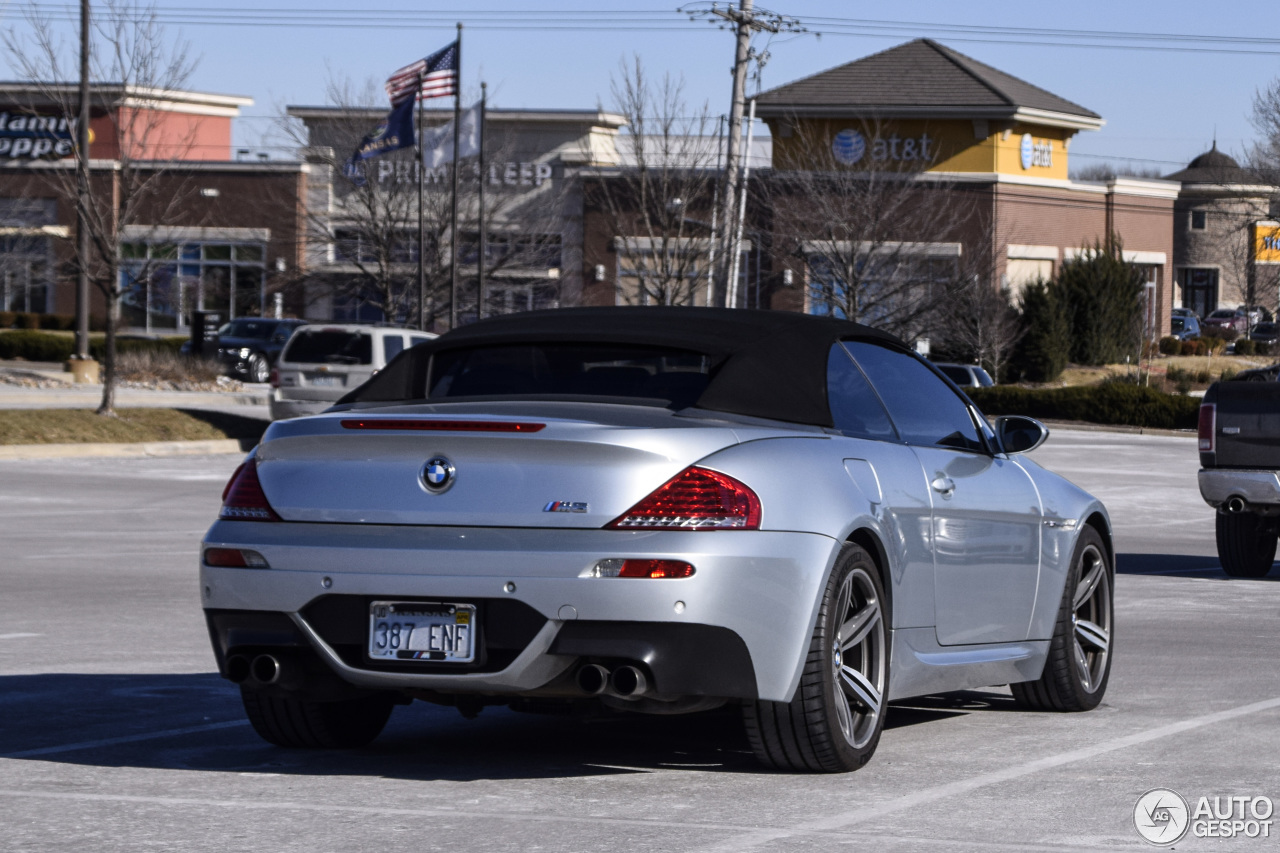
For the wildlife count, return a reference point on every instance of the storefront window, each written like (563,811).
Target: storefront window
(351,246)
(888,289)
(164,282)
(24,274)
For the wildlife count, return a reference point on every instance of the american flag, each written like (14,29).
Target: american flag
(439,74)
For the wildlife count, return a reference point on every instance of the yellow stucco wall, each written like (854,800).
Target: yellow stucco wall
(1266,243)
(951,145)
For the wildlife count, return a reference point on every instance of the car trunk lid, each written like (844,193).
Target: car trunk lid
(580,469)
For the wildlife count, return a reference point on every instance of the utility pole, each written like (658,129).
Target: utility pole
(83,368)
(745,20)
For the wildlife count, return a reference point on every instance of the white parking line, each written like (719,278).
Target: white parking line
(982,780)
(521,816)
(18,636)
(112,741)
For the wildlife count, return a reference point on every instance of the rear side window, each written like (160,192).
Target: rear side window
(673,377)
(855,409)
(391,347)
(923,407)
(330,346)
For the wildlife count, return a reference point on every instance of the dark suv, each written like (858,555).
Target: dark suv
(249,346)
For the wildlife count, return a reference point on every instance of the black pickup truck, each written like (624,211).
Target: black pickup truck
(1240,472)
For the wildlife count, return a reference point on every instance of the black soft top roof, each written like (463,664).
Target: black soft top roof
(768,364)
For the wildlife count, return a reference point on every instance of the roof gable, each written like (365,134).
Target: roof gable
(917,78)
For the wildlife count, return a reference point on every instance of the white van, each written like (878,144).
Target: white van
(321,363)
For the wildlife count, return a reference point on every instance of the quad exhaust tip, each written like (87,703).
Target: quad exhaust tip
(238,668)
(266,669)
(261,669)
(628,681)
(593,679)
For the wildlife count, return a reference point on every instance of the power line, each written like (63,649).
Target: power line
(644,20)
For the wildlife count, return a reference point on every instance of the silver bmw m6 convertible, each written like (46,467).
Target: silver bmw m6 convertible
(660,510)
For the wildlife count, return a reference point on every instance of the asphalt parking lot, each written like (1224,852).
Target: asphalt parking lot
(117,735)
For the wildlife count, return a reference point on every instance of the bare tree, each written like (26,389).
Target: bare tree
(136,191)
(362,223)
(1264,156)
(659,205)
(1109,171)
(879,238)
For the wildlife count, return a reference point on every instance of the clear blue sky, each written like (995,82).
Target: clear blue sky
(1161,106)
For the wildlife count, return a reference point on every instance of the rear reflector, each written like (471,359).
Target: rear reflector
(642,569)
(243,498)
(695,499)
(234,558)
(441,425)
(1207,425)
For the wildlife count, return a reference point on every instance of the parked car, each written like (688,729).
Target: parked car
(1227,319)
(1265,333)
(247,347)
(1233,318)
(1185,312)
(966,375)
(322,363)
(658,510)
(1184,327)
(1259,374)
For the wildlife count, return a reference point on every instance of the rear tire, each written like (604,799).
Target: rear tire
(1079,663)
(833,723)
(1246,547)
(303,723)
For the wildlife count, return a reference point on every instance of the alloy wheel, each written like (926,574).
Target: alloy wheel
(858,658)
(1091,620)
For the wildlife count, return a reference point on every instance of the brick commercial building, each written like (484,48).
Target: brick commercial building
(212,233)
(963,138)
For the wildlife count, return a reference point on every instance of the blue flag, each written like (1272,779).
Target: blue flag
(393,133)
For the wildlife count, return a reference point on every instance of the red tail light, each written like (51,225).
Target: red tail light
(243,499)
(424,425)
(1208,424)
(695,499)
(275,378)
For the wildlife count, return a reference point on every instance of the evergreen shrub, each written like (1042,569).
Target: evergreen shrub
(1111,403)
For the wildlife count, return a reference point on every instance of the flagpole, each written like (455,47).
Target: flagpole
(455,242)
(422,228)
(484,241)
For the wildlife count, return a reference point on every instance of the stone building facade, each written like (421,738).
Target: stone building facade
(1221,211)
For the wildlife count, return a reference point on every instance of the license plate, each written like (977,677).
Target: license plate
(431,632)
(325,381)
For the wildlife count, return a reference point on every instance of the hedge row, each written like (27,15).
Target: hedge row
(31,345)
(51,322)
(1114,403)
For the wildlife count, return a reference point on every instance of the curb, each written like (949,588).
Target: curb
(146,448)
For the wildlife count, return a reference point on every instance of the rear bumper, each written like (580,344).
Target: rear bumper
(1217,485)
(738,628)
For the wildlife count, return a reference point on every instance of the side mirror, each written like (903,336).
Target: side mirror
(1020,434)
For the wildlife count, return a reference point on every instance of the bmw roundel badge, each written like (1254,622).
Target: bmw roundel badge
(438,474)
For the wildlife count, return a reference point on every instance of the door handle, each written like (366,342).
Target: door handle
(944,486)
